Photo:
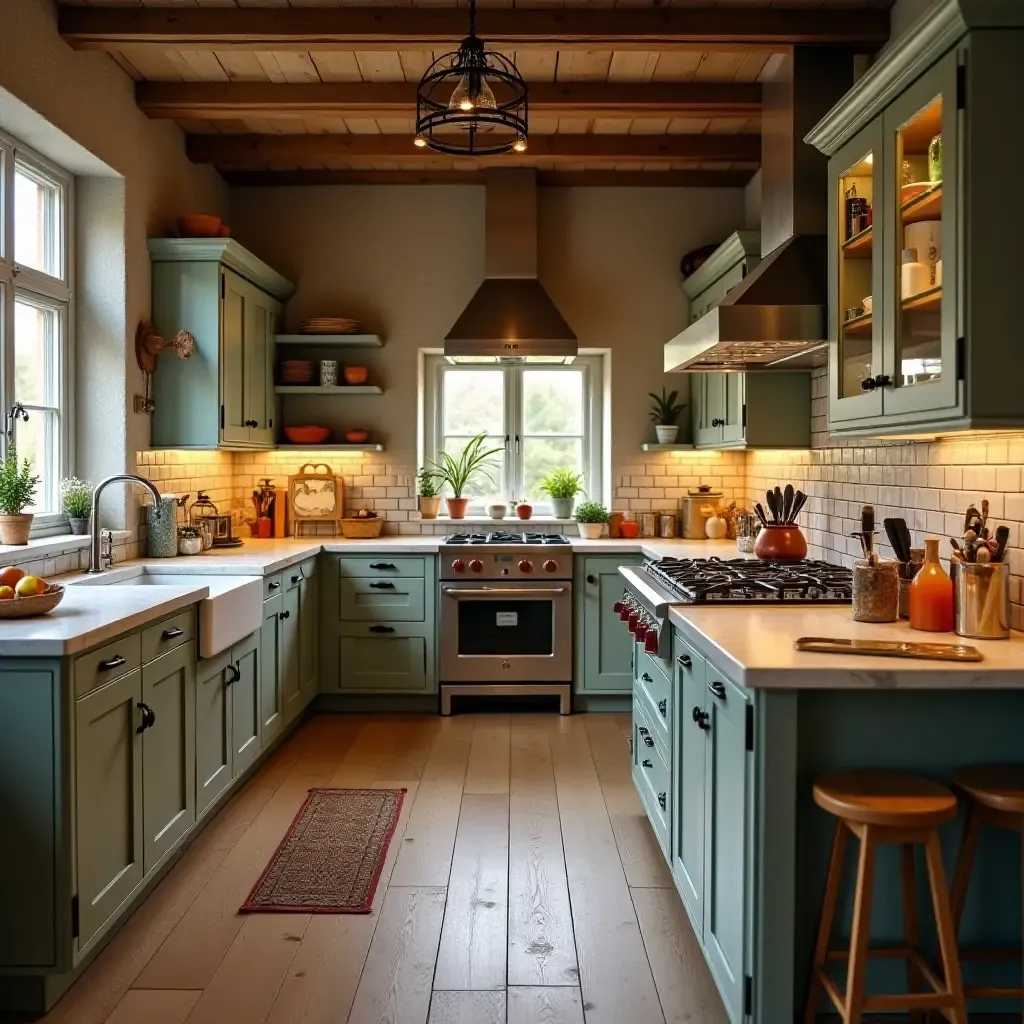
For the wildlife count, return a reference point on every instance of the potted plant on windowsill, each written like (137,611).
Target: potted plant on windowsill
(429,499)
(76,503)
(17,489)
(457,472)
(562,486)
(665,413)
(590,519)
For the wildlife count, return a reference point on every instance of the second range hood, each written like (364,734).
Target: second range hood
(776,318)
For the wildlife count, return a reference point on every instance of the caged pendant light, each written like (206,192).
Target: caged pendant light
(472,101)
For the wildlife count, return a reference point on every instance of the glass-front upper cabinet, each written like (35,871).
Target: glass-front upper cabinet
(919,372)
(856,275)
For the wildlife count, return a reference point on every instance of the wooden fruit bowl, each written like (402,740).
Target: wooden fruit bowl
(29,607)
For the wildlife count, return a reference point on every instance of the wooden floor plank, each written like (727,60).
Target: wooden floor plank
(467,1008)
(541,947)
(487,771)
(474,938)
(641,856)
(396,980)
(169,1006)
(547,1006)
(426,854)
(684,982)
(615,976)
(408,756)
(322,979)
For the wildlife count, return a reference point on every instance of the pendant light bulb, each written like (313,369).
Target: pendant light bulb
(472,93)
(519,146)
(419,141)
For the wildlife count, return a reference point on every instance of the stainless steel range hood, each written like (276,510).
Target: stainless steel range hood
(511,315)
(776,317)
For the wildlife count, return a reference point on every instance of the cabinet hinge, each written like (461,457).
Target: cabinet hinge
(222,286)
(961,359)
(222,417)
(75,928)
(961,87)
(748,996)
(744,414)
(750,727)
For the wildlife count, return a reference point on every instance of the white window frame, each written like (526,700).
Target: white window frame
(54,291)
(592,367)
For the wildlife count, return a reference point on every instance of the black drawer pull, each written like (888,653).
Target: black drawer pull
(115,662)
(647,764)
(717,688)
(591,579)
(383,586)
(170,634)
(702,718)
(382,565)
(274,585)
(685,660)
(662,801)
(663,706)
(235,677)
(645,736)
(382,629)
(297,579)
(148,717)
(646,678)
(285,615)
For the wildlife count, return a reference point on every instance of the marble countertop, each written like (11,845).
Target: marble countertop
(754,647)
(89,616)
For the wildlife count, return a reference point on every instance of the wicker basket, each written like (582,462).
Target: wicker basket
(27,607)
(361,529)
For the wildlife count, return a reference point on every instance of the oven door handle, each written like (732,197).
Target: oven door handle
(458,592)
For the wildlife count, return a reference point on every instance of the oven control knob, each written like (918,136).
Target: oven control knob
(550,565)
(617,607)
(525,565)
(459,565)
(624,612)
(641,631)
(634,621)
(476,565)
(651,641)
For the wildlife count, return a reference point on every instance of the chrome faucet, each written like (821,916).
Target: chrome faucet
(95,560)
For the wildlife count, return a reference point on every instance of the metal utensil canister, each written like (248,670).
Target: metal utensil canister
(648,524)
(747,529)
(982,591)
(666,524)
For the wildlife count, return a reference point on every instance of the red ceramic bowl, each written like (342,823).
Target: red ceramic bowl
(199,225)
(629,529)
(357,436)
(307,435)
(356,374)
(780,544)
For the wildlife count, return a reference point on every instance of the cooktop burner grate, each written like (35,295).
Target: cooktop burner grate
(507,537)
(747,581)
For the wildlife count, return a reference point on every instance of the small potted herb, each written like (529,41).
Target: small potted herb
(17,489)
(590,519)
(665,413)
(429,499)
(76,503)
(562,486)
(457,472)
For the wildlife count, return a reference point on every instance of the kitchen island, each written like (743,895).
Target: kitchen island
(741,724)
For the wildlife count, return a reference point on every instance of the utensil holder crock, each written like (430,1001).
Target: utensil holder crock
(780,543)
(982,591)
(876,592)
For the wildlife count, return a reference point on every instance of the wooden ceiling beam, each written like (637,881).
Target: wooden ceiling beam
(262,152)
(745,28)
(663,179)
(233,100)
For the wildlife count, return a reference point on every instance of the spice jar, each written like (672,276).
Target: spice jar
(876,591)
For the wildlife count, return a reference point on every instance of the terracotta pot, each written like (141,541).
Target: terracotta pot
(780,544)
(429,507)
(356,374)
(15,529)
(457,507)
(524,511)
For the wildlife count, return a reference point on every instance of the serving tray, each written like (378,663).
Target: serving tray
(889,649)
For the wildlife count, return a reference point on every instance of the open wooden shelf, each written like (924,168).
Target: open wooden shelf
(330,447)
(926,206)
(930,299)
(860,245)
(666,447)
(334,340)
(337,389)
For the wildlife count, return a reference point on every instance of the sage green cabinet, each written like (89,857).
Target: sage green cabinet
(751,410)
(921,358)
(214,680)
(721,272)
(246,690)
(230,301)
(383,600)
(271,676)
(109,831)
(309,619)
(384,662)
(603,645)
(291,693)
(168,749)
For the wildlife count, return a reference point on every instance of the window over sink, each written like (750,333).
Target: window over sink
(542,415)
(35,324)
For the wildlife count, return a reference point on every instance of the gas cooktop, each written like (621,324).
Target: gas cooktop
(506,537)
(747,581)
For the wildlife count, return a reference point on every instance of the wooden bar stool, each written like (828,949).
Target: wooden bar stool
(996,799)
(880,808)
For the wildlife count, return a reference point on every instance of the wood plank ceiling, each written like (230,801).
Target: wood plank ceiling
(315,91)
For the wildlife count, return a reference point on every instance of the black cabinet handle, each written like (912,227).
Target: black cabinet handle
(645,736)
(235,677)
(115,662)
(274,585)
(286,615)
(148,717)
(717,688)
(717,422)
(685,660)
(381,565)
(170,634)
(883,380)
(663,707)
(702,718)
(662,801)
(646,678)
(868,384)
(297,579)
(647,764)
(591,578)
(382,629)
(383,586)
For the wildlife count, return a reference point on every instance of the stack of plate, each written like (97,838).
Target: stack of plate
(297,371)
(330,325)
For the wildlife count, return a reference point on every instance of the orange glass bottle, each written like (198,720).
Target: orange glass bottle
(931,594)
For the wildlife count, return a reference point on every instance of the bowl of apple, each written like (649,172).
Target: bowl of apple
(23,596)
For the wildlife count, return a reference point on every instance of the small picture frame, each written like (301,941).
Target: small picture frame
(316,495)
